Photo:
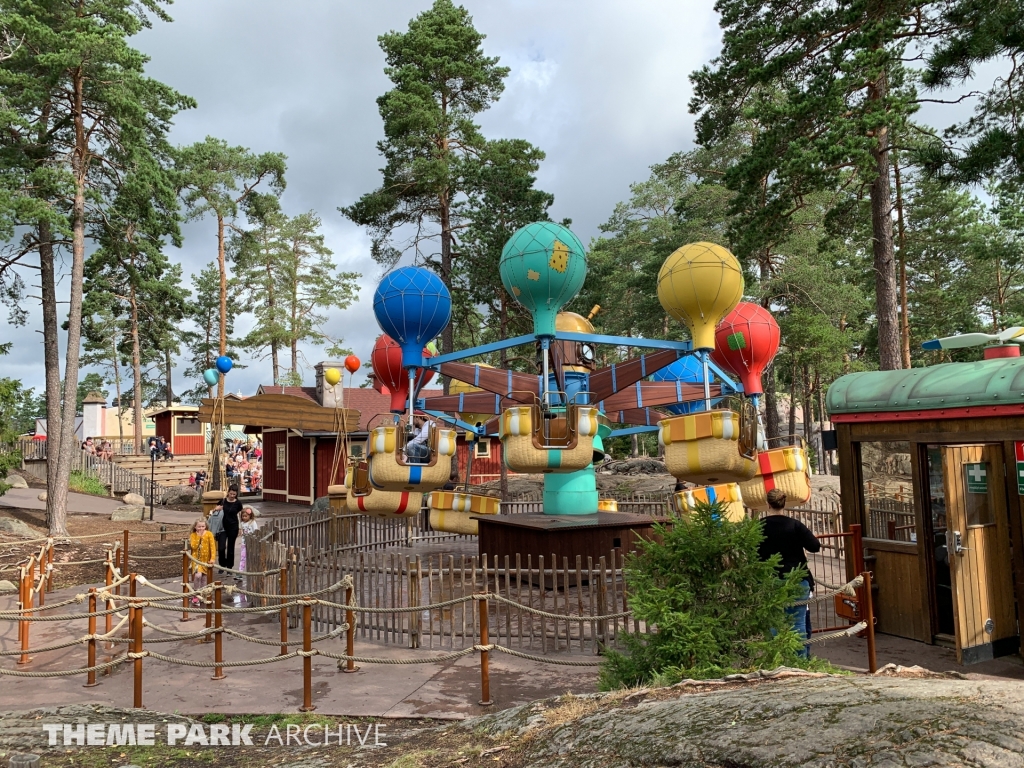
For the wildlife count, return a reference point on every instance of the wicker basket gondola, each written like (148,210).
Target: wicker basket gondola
(563,442)
(389,470)
(452,511)
(727,493)
(607,505)
(784,468)
(362,499)
(706,448)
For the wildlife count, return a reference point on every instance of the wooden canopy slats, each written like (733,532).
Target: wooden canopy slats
(281,411)
(616,377)
(471,402)
(641,417)
(644,394)
(521,387)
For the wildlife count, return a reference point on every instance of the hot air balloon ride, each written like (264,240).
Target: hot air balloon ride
(699,285)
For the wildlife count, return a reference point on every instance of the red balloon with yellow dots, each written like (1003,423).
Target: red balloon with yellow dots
(746,341)
(386,360)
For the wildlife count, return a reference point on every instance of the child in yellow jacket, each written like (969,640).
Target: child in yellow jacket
(204,549)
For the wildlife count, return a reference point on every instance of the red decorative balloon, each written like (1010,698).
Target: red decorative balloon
(386,360)
(745,342)
(352,363)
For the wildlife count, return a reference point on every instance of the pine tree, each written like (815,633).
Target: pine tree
(442,81)
(78,111)
(203,339)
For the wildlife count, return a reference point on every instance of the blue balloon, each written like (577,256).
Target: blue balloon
(211,377)
(687,370)
(224,363)
(412,306)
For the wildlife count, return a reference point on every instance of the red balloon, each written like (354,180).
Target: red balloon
(352,363)
(386,360)
(745,342)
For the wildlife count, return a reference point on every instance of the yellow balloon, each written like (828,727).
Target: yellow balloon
(698,285)
(332,376)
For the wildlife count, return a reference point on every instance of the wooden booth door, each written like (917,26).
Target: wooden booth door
(978,547)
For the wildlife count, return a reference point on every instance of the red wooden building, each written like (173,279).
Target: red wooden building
(180,425)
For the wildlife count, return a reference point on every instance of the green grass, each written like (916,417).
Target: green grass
(82,483)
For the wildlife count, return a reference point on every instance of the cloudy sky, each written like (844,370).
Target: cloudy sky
(600,85)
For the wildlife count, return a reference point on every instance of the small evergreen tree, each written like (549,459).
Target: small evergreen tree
(714,607)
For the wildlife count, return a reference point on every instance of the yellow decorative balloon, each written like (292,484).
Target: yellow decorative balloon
(332,376)
(698,285)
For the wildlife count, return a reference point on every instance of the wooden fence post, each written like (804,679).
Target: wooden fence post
(109,618)
(218,647)
(485,661)
(350,634)
(184,584)
(869,617)
(283,589)
(136,620)
(307,661)
(92,639)
(24,604)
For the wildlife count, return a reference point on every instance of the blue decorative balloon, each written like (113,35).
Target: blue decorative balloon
(687,370)
(224,363)
(211,377)
(412,306)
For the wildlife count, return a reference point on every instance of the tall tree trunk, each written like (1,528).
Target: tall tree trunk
(294,331)
(222,347)
(772,425)
(793,387)
(503,325)
(272,313)
(826,464)
(68,441)
(137,415)
(886,303)
(448,335)
(117,390)
(634,446)
(169,399)
(902,234)
(51,359)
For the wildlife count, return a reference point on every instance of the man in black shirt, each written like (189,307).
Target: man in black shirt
(788,538)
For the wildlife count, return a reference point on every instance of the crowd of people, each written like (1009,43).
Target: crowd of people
(243,466)
(104,450)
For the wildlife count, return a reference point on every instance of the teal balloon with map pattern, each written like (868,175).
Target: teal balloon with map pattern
(543,265)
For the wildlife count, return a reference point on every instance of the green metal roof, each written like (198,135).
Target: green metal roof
(949,385)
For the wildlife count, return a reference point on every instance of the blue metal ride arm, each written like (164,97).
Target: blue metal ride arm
(442,416)
(624,341)
(485,349)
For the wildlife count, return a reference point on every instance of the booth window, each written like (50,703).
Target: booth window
(356,450)
(280,455)
(483,449)
(887,491)
(189,426)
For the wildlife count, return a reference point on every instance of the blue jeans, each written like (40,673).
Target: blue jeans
(417,453)
(801,616)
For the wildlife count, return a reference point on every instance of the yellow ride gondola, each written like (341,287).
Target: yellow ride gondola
(559,440)
(389,470)
(728,494)
(363,499)
(785,468)
(710,447)
(607,505)
(452,511)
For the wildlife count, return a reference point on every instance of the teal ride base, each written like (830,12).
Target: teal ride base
(575,493)
(571,493)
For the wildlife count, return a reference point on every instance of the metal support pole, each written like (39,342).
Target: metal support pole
(131,602)
(307,661)
(545,373)
(869,617)
(350,634)
(485,660)
(209,616)
(184,586)
(412,395)
(705,359)
(218,646)
(92,640)
(109,618)
(49,565)
(152,481)
(284,611)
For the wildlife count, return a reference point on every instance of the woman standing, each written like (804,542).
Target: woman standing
(232,506)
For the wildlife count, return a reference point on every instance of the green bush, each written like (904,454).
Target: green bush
(713,605)
(83,483)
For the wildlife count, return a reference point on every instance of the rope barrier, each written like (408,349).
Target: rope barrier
(563,616)
(231,570)
(826,636)
(64,672)
(211,664)
(545,659)
(400,662)
(849,589)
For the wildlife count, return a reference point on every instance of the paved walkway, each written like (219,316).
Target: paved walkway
(445,690)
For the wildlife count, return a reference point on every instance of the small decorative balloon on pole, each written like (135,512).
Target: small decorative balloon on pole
(211,377)
(224,364)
